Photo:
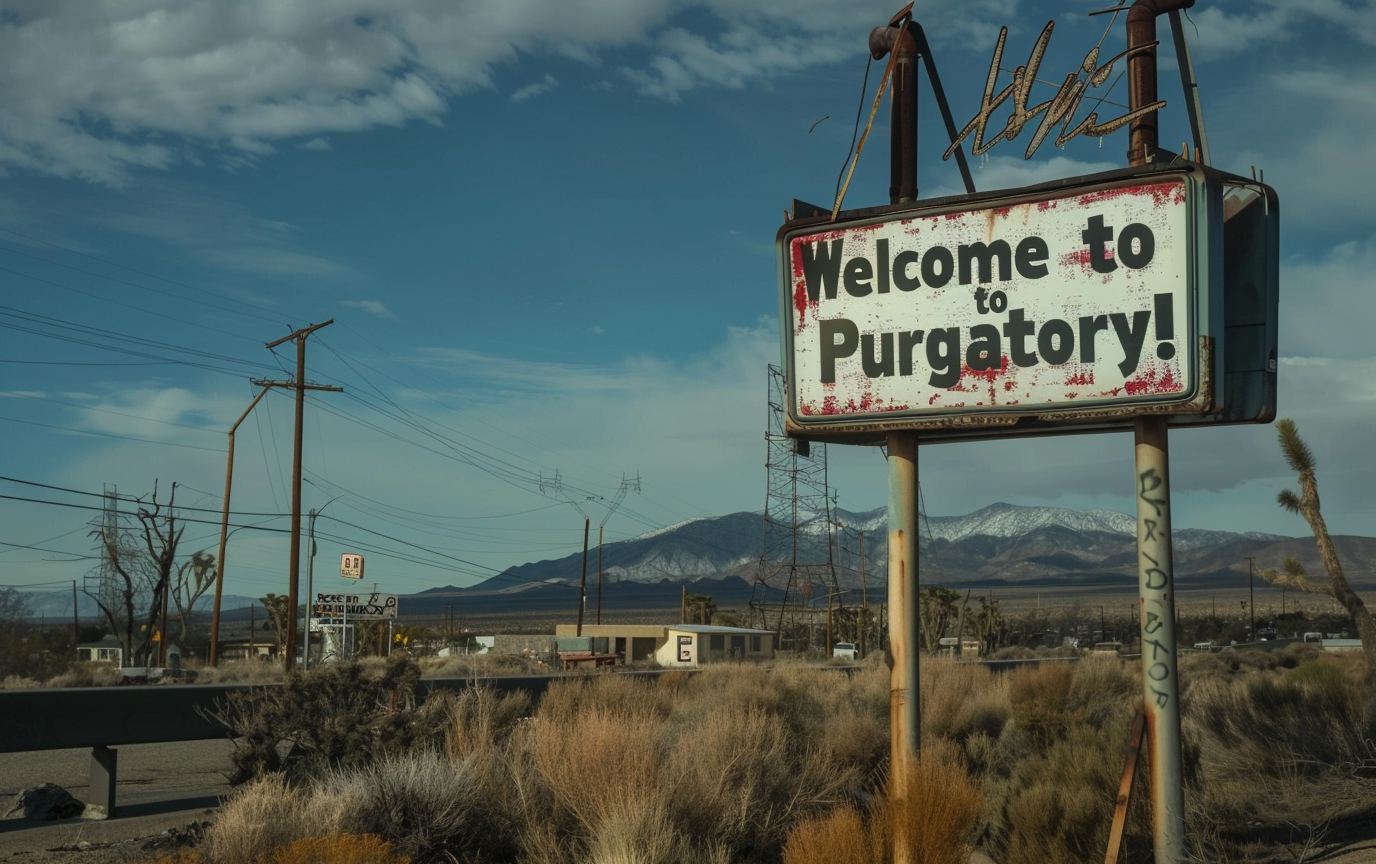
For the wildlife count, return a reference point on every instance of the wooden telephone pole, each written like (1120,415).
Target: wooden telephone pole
(300,386)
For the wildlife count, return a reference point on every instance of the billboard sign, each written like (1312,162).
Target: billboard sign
(1055,304)
(356,607)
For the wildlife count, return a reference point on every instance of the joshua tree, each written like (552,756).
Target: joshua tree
(1306,503)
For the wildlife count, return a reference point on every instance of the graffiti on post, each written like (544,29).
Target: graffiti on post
(1157,638)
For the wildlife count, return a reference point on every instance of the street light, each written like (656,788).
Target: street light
(310,586)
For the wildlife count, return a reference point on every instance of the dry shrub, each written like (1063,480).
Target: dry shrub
(481,718)
(960,700)
(337,849)
(476,666)
(934,812)
(740,777)
(87,675)
(428,806)
(1056,803)
(630,695)
(250,671)
(634,831)
(1040,701)
(1260,725)
(259,817)
(589,764)
(838,837)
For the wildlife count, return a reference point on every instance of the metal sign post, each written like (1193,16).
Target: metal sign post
(1155,569)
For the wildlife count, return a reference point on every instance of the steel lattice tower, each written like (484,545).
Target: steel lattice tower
(796,532)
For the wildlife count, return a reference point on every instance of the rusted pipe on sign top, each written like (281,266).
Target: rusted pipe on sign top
(1142,132)
(903,126)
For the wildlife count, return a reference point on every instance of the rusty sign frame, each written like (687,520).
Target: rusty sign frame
(1216,396)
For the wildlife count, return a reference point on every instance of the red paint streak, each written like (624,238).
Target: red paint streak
(987,374)
(935,396)
(1002,212)
(1149,382)
(800,303)
(951,217)
(1043,206)
(868,403)
(1161,194)
(1008,386)
(1080,379)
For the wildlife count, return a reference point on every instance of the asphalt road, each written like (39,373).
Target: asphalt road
(159,786)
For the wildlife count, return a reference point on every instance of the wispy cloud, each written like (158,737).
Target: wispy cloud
(372,307)
(316,144)
(539,88)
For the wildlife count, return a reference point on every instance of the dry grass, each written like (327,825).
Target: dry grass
(752,764)
(933,814)
(338,849)
(250,671)
(838,837)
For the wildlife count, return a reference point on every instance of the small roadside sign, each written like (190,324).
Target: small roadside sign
(351,566)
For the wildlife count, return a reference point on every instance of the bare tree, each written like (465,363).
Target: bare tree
(137,572)
(1306,503)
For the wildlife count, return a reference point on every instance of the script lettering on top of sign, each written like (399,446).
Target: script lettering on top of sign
(1060,303)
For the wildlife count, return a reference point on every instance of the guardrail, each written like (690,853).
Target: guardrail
(104,718)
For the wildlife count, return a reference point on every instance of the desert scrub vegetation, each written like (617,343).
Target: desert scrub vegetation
(739,764)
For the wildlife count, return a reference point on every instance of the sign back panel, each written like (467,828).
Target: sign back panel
(1081,300)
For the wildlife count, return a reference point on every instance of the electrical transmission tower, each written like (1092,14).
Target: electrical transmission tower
(796,559)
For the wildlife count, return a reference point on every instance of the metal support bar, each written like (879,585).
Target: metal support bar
(1191,88)
(1160,677)
(104,763)
(904,719)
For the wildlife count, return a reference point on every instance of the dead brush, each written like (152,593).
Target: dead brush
(589,764)
(838,837)
(933,813)
(739,776)
(337,849)
(481,718)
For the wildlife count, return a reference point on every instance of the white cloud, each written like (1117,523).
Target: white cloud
(99,91)
(539,88)
(596,330)
(372,307)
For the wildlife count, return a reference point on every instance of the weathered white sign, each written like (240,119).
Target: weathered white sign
(1077,300)
(356,607)
(351,566)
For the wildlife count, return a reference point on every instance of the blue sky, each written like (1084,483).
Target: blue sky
(545,232)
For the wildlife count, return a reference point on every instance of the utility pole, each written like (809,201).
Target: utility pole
(224,535)
(626,486)
(1251,602)
(300,386)
(76,621)
(583,579)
